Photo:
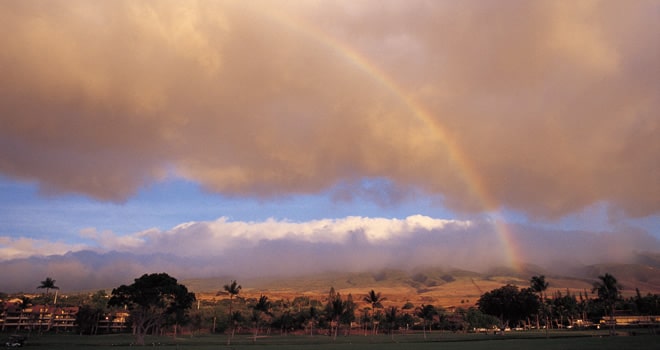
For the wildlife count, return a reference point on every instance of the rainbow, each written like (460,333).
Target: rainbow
(457,156)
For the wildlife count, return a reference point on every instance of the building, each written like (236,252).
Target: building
(37,317)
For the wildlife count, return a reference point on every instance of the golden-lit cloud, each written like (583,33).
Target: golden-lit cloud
(545,107)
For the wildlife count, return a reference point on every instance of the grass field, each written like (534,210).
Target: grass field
(445,341)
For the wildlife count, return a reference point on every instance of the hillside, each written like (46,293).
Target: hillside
(446,287)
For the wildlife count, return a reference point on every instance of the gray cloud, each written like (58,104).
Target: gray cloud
(279,248)
(552,105)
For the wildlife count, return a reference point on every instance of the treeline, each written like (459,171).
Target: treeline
(532,307)
(158,304)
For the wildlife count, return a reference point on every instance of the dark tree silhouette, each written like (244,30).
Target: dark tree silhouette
(48,284)
(336,308)
(151,299)
(349,310)
(313,318)
(565,306)
(232,289)
(375,299)
(87,319)
(426,313)
(509,303)
(392,319)
(539,285)
(262,306)
(90,313)
(234,319)
(477,319)
(609,292)
(376,302)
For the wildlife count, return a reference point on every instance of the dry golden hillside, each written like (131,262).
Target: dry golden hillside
(430,286)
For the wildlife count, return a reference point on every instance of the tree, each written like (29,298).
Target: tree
(232,289)
(609,292)
(89,314)
(99,299)
(392,320)
(376,301)
(285,321)
(364,319)
(646,305)
(426,313)
(477,319)
(25,302)
(539,285)
(151,299)
(583,305)
(407,320)
(509,304)
(313,316)
(565,306)
(87,319)
(234,320)
(48,284)
(348,316)
(261,307)
(337,310)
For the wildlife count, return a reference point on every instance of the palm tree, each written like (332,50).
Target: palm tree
(349,312)
(426,313)
(262,306)
(25,302)
(232,289)
(392,318)
(48,284)
(609,292)
(234,319)
(376,301)
(365,319)
(337,308)
(539,285)
(313,316)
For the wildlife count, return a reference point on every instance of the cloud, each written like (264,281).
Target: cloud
(544,107)
(22,247)
(109,239)
(273,248)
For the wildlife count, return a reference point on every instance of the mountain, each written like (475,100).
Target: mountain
(630,276)
(446,287)
(89,270)
(647,258)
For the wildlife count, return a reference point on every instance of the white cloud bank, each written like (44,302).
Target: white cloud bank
(273,248)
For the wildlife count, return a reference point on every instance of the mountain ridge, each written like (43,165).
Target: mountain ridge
(90,270)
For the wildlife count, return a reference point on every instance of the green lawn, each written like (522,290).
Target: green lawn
(445,341)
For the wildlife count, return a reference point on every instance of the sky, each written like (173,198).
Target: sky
(238,137)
